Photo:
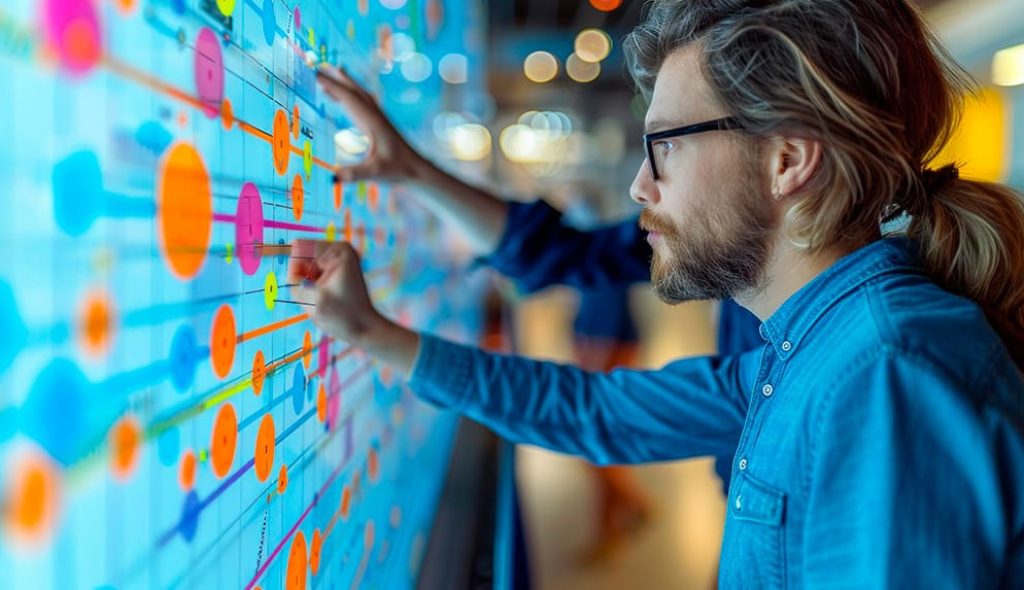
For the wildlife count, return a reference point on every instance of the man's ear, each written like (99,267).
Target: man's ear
(793,161)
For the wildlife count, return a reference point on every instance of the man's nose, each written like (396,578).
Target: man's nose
(644,190)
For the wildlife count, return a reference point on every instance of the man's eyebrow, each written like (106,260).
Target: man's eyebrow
(655,125)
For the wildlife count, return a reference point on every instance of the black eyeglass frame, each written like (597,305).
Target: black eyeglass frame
(723,124)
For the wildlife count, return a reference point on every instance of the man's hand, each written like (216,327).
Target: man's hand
(390,158)
(330,279)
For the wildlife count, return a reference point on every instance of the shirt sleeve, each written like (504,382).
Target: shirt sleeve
(904,490)
(538,250)
(689,408)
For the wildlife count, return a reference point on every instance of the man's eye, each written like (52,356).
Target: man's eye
(665,146)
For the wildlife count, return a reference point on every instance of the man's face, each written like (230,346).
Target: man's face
(710,213)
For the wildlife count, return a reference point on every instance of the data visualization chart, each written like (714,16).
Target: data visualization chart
(169,416)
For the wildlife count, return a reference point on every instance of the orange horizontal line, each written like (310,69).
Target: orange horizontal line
(256,131)
(286,361)
(119,67)
(152,82)
(272,327)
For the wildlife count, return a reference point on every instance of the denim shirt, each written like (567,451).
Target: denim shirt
(876,434)
(538,250)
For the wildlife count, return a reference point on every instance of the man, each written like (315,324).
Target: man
(878,432)
(527,242)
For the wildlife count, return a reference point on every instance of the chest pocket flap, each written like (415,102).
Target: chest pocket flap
(756,501)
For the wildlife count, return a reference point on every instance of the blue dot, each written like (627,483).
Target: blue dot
(168,446)
(66,414)
(154,137)
(178,6)
(269,22)
(184,356)
(15,335)
(298,389)
(190,517)
(78,193)
(281,258)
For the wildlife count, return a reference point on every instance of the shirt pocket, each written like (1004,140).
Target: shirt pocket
(759,510)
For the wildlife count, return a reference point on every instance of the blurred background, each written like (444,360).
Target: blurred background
(565,124)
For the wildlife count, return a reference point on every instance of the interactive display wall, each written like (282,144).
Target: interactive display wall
(169,418)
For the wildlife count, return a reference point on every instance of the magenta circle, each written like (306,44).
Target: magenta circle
(249,228)
(73,29)
(298,22)
(209,72)
(324,350)
(333,397)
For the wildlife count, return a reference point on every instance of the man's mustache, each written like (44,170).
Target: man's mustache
(650,222)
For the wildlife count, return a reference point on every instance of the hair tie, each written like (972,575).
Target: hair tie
(936,180)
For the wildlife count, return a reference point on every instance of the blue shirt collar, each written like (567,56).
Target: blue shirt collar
(788,326)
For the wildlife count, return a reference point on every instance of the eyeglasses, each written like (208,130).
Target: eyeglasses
(657,147)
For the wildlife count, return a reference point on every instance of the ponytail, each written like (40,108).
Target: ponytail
(972,241)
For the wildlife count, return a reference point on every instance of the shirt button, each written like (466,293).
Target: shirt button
(768,390)
(743,464)
(787,346)
(739,503)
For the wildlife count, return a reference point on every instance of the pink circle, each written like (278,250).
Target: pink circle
(298,21)
(73,30)
(324,350)
(209,65)
(333,397)
(249,228)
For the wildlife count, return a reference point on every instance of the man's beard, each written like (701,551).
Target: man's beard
(722,251)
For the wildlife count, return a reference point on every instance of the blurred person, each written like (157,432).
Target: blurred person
(605,338)
(877,433)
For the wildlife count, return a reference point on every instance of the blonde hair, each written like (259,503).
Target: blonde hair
(871,82)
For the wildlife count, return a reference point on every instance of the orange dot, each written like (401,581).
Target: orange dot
(223,440)
(298,197)
(307,350)
(126,6)
(296,576)
(184,210)
(314,551)
(373,194)
(337,195)
(280,145)
(227,114)
(296,122)
(259,372)
(372,465)
(321,403)
(32,498)
(125,437)
(223,340)
(187,471)
(282,479)
(96,324)
(348,226)
(264,451)
(606,5)
(81,43)
(346,502)
(182,119)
